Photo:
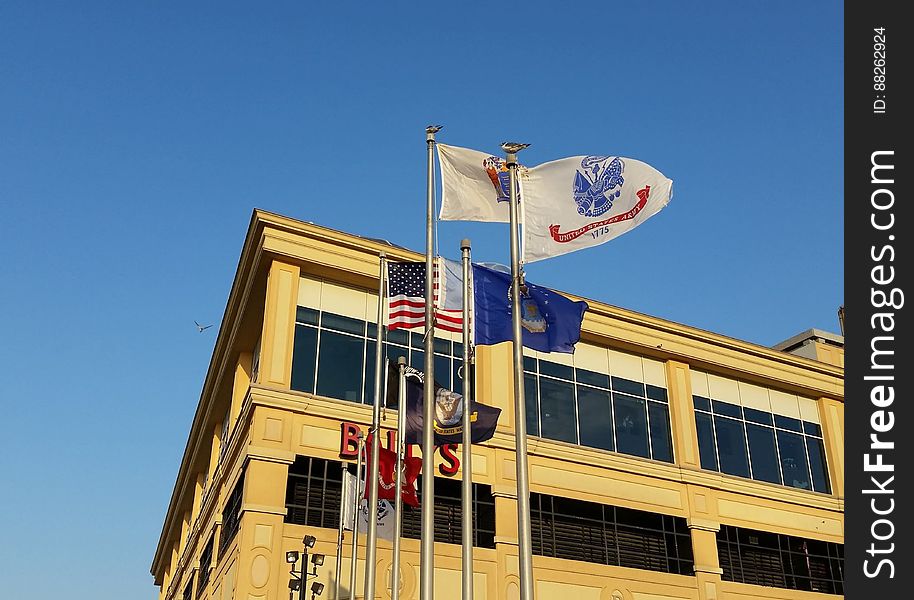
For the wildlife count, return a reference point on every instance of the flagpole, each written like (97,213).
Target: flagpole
(357,498)
(467,487)
(371,542)
(398,501)
(427,538)
(524,536)
(339,535)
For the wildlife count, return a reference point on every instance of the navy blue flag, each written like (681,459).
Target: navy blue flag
(551,322)
(448,411)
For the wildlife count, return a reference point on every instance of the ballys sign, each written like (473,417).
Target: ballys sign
(349,445)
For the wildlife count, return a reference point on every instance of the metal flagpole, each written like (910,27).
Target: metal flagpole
(371,542)
(524,536)
(398,501)
(357,497)
(467,489)
(427,538)
(339,536)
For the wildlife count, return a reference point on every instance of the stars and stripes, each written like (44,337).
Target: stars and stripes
(406,297)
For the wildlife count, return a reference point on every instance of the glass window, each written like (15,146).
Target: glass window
(758,416)
(304,353)
(817,465)
(706,450)
(661,448)
(368,390)
(731,446)
(701,403)
(306,315)
(595,417)
(591,378)
(341,323)
(556,370)
(531,405)
(793,460)
(727,409)
(530,364)
(339,370)
(812,429)
(443,371)
(417,359)
(656,393)
(557,414)
(763,454)
(788,423)
(628,386)
(630,424)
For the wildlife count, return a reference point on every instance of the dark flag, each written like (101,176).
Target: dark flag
(551,322)
(448,411)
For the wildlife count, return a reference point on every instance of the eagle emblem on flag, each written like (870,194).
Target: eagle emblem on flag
(597,184)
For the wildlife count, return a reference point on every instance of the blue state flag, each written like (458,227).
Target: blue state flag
(550,322)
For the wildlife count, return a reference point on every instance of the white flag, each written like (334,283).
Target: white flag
(350,492)
(386,519)
(474,185)
(583,201)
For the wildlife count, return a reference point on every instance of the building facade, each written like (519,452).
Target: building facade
(665,461)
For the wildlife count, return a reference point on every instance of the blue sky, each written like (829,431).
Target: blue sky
(137,137)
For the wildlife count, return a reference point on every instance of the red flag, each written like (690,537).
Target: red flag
(387,482)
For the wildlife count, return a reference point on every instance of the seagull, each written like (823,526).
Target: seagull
(202,328)
(513,147)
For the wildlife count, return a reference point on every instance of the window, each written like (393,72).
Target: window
(334,356)
(231,516)
(313,492)
(206,561)
(593,409)
(189,589)
(609,535)
(313,499)
(449,516)
(783,561)
(767,447)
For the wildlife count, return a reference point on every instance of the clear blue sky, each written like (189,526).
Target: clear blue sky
(136,138)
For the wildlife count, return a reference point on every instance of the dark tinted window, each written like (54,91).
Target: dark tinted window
(304,354)
(731,446)
(595,418)
(794,468)
(631,425)
(339,370)
(763,454)
(557,415)
(706,448)
(661,446)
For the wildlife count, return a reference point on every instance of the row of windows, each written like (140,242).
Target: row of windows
(313,498)
(231,516)
(784,561)
(610,535)
(753,443)
(334,356)
(593,409)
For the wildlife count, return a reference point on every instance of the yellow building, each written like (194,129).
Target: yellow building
(665,461)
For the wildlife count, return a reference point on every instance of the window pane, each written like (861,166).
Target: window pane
(340,323)
(661,447)
(530,364)
(304,354)
(595,417)
(793,460)
(306,315)
(417,359)
(701,403)
(631,425)
(556,370)
(817,465)
(763,453)
(731,446)
(656,393)
(398,336)
(443,371)
(592,378)
(531,405)
(368,391)
(339,371)
(557,417)
(628,386)
(812,429)
(442,346)
(706,442)
(788,423)
(758,416)
(727,409)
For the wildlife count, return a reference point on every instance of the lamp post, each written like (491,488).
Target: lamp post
(300,577)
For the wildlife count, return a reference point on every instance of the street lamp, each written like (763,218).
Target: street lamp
(300,577)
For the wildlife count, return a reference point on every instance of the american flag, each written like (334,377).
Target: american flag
(406,296)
